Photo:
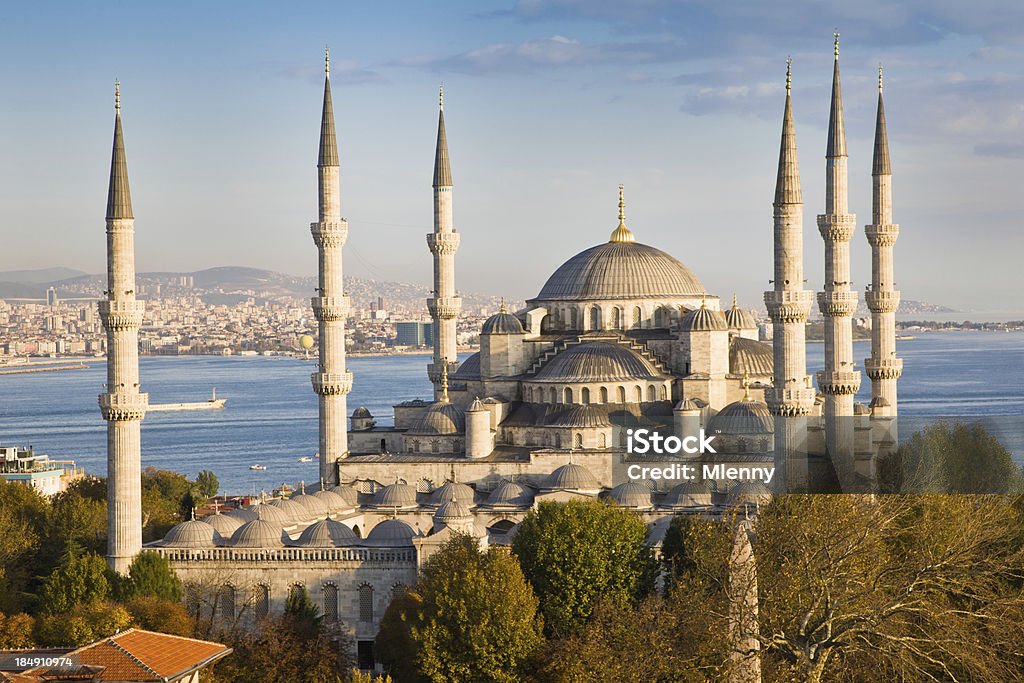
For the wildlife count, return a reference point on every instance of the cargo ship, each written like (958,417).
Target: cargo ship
(213,403)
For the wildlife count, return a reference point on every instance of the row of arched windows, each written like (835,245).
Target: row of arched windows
(226,600)
(604,394)
(593,317)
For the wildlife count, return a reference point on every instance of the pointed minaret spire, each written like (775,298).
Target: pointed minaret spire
(787,184)
(836,128)
(328,138)
(880,163)
(442,167)
(445,304)
(119,195)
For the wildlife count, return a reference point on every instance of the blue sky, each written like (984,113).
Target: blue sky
(550,104)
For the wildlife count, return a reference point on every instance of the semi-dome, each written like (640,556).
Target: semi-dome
(396,496)
(502,323)
(348,494)
(192,534)
(745,416)
(315,507)
(704,319)
(750,357)
(259,533)
(224,524)
(390,533)
(327,533)
(572,476)
(598,361)
(580,417)
(631,494)
(452,490)
(509,494)
(620,270)
(441,418)
(273,513)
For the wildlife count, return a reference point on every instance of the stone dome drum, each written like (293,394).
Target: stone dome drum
(620,270)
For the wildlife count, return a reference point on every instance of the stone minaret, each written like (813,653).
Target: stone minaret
(333,382)
(839,381)
(884,368)
(444,306)
(791,396)
(123,406)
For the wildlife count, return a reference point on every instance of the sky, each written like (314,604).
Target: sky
(549,105)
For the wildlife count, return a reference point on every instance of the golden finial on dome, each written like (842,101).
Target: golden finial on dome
(117,95)
(622,233)
(734,304)
(444,382)
(501,309)
(704,300)
(746,386)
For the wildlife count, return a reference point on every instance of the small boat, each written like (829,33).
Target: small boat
(258,468)
(306,458)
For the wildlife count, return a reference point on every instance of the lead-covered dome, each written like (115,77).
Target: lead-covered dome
(620,270)
(502,323)
(259,533)
(390,533)
(572,477)
(192,534)
(440,419)
(327,533)
(745,416)
(631,494)
(704,319)
(598,361)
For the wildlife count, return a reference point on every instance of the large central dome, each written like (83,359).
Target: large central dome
(621,270)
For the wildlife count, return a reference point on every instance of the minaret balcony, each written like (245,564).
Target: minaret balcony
(444,307)
(788,305)
(837,227)
(883,368)
(331,308)
(122,314)
(332,383)
(882,301)
(435,370)
(443,242)
(839,304)
(789,402)
(839,383)
(329,234)
(118,407)
(882,235)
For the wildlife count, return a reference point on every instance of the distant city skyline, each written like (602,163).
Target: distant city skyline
(549,105)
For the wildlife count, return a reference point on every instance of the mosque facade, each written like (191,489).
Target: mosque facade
(621,333)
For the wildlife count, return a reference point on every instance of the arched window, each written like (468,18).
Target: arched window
(574,319)
(227,603)
(637,317)
(638,394)
(604,440)
(622,394)
(261,601)
(330,596)
(558,440)
(567,395)
(604,394)
(662,393)
(383,445)
(616,318)
(554,395)
(577,440)
(741,445)
(595,318)
(585,395)
(652,395)
(763,445)
(366,603)
(435,447)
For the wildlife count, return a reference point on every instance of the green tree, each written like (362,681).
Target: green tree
(951,458)
(150,574)
(22,530)
(478,617)
(577,553)
(395,647)
(300,609)
(75,520)
(158,614)
(207,483)
(16,631)
(83,624)
(81,578)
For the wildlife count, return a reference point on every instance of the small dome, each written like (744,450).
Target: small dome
(316,508)
(704,319)
(224,524)
(192,534)
(391,533)
(361,412)
(259,533)
(745,416)
(451,490)
(879,402)
(294,511)
(348,494)
(451,511)
(597,361)
(738,319)
(272,513)
(502,323)
(331,500)
(573,477)
(469,369)
(690,404)
(510,494)
(326,533)
(631,494)
(580,417)
(439,419)
(243,514)
(396,496)
(476,406)
(749,493)
(690,494)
